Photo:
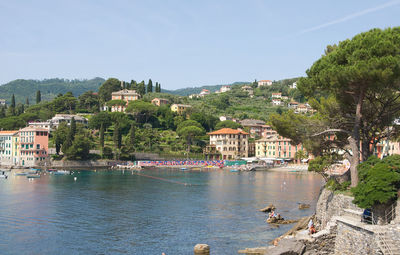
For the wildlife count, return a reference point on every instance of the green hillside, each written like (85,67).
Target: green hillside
(49,88)
(197,90)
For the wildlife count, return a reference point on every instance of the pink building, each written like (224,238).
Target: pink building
(277,147)
(33,145)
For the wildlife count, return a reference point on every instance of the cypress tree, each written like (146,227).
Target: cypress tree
(117,136)
(38,97)
(150,86)
(13,101)
(2,112)
(132,136)
(27,101)
(102,139)
(73,128)
(67,143)
(159,87)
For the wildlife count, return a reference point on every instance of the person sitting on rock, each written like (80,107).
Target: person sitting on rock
(312,229)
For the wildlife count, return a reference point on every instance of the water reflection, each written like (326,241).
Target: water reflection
(123,213)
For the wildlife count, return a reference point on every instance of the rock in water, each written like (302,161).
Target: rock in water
(304,206)
(288,247)
(201,249)
(268,208)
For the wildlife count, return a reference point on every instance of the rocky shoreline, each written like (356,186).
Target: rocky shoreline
(339,231)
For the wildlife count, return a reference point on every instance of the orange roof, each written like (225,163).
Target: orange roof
(228,131)
(265,80)
(8,131)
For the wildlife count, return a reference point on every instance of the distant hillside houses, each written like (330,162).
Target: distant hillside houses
(223,89)
(2,102)
(264,83)
(53,123)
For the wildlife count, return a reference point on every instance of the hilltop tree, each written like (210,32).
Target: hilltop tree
(141,88)
(142,110)
(363,76)
(227,124)
(38,97)
(133,85)
(101,118)
(150,86)
(109,86)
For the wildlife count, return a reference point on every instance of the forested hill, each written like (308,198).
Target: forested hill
(197,90)
(49,88)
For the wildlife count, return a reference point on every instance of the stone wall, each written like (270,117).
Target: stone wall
(351,239)
(76,163)
(330,205)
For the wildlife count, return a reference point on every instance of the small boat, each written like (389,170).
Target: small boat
(35,169)
(62,172)
(33,176)
(3,176)
(234,170)
(51,170)
(183,168)
(21,174)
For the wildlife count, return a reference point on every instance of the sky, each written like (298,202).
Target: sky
(179,43)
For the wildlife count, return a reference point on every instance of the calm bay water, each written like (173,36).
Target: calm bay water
(115,212)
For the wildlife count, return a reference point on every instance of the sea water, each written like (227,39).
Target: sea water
(148,212)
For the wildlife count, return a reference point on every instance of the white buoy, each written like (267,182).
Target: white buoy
(75,178)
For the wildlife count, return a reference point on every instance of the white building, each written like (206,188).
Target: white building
(264,83)
(7,148)
(43,124)
(2,102)
(60,118)
(204,92)
(294,85)
(225,88)
(276,101)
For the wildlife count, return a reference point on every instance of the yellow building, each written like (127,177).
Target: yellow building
(180,108)
(16,149)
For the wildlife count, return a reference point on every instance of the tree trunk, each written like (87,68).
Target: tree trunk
(354,140)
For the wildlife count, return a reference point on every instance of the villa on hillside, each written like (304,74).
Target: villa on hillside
(124,95)
(224,89)
(276,95)
(264,83)
(159,101)
(204,92)
(248,89)
(276,102)
(180,108)
(60,118)
(293,104)
(257,128)
(227,143)
(2,102)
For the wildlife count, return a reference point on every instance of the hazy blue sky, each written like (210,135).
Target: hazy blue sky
(178,43)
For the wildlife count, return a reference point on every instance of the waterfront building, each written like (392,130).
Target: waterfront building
(180,108)
(228,143)
(264,83)
(159,101)
(124,95)
(34,145)
(60,118)
(7,147)
(276,147)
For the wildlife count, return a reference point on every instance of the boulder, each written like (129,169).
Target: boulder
(275,220)
(304,206)
(288,247)
(268,208)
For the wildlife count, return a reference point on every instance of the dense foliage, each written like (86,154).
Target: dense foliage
(379,181)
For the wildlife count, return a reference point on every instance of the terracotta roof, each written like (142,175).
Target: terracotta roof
(265,81)
(8,131)
(228,131)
